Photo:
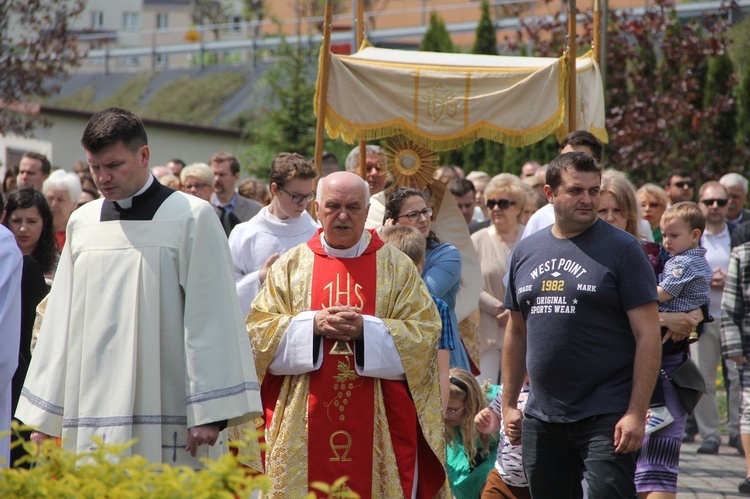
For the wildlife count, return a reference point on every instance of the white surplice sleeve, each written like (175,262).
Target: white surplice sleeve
(294,355)
(246,269)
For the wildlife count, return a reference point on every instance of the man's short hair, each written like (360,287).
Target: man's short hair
(406,239)
(198,170)
(460,187)
(329,162)
(688,212)
(734,180)
(224,157)
(712,183)
(584,138)
(352,159)
(46,165)
(113,125)
(288,165)
(177,161)
(676,173)
(570,161)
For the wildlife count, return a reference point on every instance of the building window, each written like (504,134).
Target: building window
(162,20)
(97,19)
(131,60)
(235,23)
(131,20)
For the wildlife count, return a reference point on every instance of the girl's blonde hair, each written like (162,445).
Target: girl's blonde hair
(465,387)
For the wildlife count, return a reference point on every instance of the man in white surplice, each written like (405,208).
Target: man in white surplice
(279,227)
(142,337)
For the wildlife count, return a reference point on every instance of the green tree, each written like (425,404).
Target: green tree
(742,94)
(484,154)
(485,41)
(288,123)
(437,38)
(720,126)
(37,50)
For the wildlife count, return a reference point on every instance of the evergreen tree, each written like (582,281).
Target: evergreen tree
(484,154)
(437,38)
(486,38)
(742,94)
(289,121)
(721,126)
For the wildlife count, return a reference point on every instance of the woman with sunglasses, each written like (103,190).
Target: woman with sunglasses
(505,198)
(653,200)
(442,266)
(469,453)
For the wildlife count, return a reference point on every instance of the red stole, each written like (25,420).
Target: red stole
(341,405)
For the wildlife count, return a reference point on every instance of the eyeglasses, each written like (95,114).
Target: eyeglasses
(685,183)
(416,216)
(299,198)
(711,202)
(503,204)
(190,187)
(454,412)
(650,205)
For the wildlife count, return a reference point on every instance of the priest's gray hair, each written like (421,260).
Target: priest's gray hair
(734,180)
(352,159)
(319,191)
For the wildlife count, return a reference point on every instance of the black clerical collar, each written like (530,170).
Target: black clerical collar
(127,203)
(144,205)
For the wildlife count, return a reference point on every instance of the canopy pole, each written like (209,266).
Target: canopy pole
(597,32)
(325,65)
(572,100)
(359,6)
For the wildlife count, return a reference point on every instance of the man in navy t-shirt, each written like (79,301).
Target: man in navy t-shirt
(584,318)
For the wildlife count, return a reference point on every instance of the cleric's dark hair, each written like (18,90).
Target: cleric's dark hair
(113,125)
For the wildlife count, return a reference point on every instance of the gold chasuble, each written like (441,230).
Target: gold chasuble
(332,422)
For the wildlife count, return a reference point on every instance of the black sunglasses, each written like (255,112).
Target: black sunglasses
(503,204)
(460,384)
(710,202)
(684,184)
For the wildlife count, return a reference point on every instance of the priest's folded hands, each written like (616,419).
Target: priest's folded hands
(339,322)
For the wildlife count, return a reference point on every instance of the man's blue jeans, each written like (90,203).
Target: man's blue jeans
(557,455)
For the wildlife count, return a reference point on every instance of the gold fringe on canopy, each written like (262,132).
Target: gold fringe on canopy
(444,101)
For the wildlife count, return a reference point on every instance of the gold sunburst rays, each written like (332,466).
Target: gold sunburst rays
(410,164)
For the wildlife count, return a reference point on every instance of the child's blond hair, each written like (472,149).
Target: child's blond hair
(406,239)
(688,212)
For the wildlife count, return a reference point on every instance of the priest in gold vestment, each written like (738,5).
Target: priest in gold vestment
(345,338)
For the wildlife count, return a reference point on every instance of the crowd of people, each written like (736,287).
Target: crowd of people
(172,306)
